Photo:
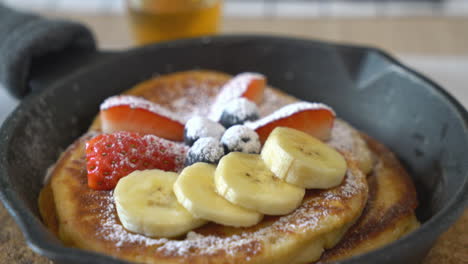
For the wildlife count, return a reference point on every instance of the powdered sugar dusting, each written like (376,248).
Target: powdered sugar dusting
(305,218)
(272,102)
(138,102)
(174,149)
(241,108)
(310,217)
(206,149)
(212,245)
(241,138)
(318,207)
(112,230)
(287,111)
(234,88)
(196,100)
(341,136)
(346,139)
(150,144)
(197,127)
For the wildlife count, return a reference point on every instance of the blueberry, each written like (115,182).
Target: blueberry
(198,127)
(238,111)
(242,139)
(205,149)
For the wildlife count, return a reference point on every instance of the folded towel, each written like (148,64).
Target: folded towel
(26,37)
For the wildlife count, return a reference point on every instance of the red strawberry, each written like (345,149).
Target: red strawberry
(254,88)
(313,118)
(248,85)
(134,114)
(113,156)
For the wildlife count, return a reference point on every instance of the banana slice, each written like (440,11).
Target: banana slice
(147,205)
(303,160)
(195,190)
(243,179)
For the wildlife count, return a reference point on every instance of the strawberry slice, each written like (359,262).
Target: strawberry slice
(134,114)
(248,85)
(113,156)
(315,119)
(253,85)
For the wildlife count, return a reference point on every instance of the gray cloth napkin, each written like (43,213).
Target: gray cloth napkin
(26,37)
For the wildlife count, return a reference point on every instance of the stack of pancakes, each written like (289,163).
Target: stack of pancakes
(373,206)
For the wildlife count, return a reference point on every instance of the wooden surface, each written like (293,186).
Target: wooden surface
(422,36)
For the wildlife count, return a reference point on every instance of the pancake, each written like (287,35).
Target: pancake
(86,218)
(389,213)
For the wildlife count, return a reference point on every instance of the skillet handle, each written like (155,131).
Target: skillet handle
(27,41)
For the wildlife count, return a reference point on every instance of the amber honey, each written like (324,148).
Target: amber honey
(159,20)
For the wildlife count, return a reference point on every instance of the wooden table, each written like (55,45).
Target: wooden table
(431,36)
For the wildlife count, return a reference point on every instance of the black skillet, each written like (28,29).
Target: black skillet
(421,122)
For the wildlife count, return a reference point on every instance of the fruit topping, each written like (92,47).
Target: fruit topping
(315,119)
(146,204)
(241,139)
(198,127)
(302,160)
(113,156)
(243,179)
(238,111)
(195,190)
(248,85)
(135,114)
(207,149)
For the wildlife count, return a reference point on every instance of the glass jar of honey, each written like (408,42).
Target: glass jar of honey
(159,20)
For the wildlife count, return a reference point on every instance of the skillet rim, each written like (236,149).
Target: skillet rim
(44,243)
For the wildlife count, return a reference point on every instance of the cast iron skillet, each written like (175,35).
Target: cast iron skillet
(417,119)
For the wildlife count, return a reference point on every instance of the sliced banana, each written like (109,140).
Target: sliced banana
(243,179)
(195,190)
(303,160)
(147,205)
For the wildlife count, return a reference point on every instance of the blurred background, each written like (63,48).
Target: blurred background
(429,35)
(436,27)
